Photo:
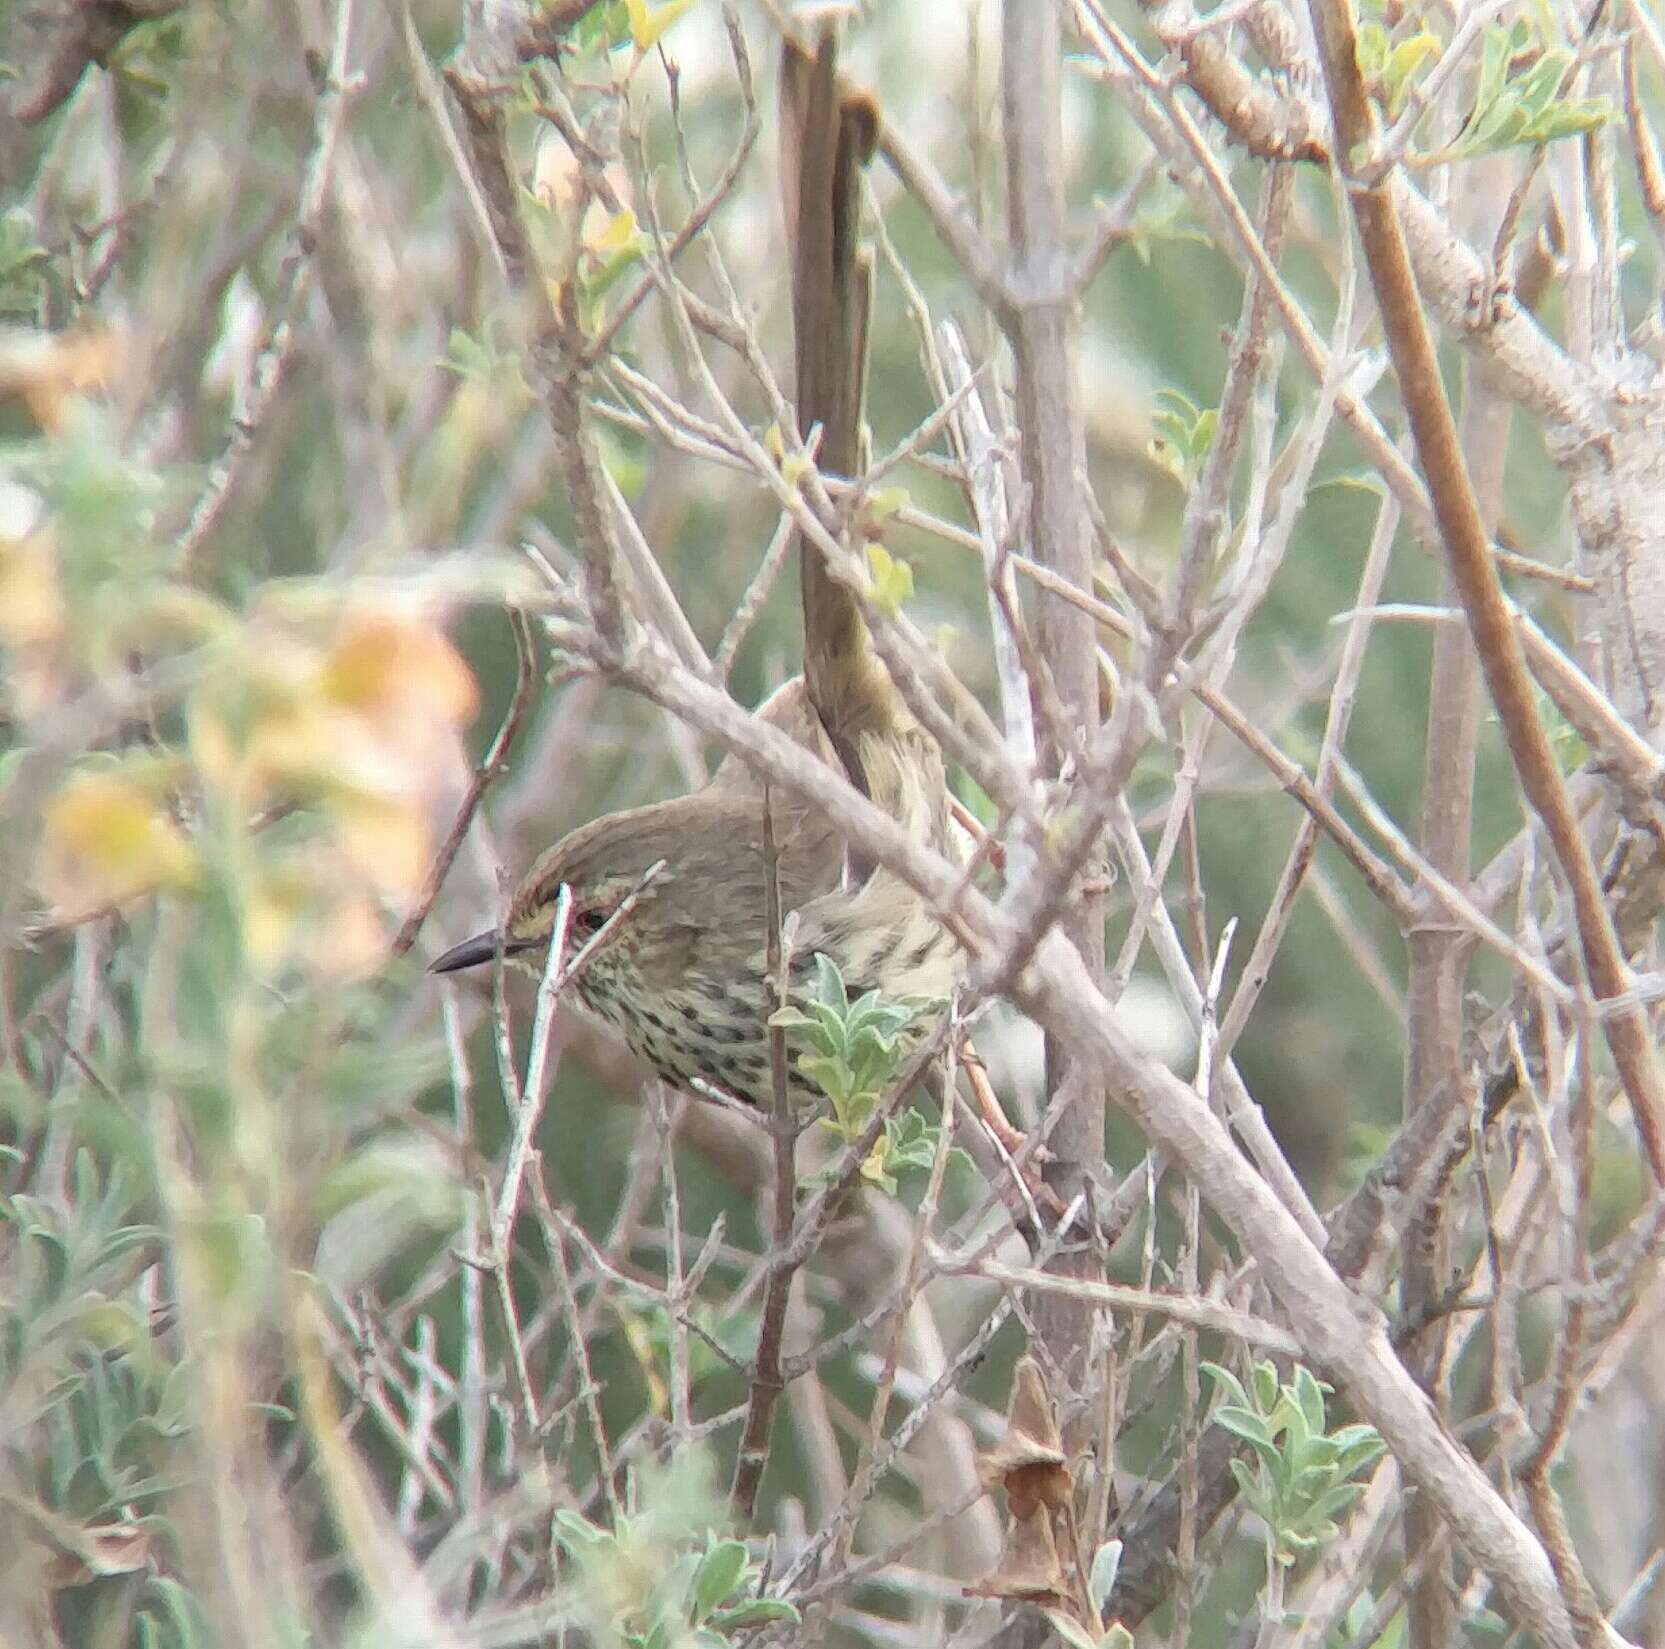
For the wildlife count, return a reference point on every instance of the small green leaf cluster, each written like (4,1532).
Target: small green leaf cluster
(1184,433)
(1299,1482)
(644,1585)
(104,508)
(852,1052)
(603,27)
(1523,106)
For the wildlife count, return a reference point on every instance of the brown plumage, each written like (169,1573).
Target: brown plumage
(683,976)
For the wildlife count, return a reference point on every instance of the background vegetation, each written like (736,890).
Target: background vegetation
(341,1305)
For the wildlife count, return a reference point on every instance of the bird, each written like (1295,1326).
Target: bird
(683,974)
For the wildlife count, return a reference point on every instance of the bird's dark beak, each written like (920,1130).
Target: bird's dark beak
(481,948)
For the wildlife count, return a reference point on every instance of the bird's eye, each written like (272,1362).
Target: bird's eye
(587,922)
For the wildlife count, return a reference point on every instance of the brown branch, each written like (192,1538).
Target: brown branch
(1650,178)
(1469,549)
(1267,125)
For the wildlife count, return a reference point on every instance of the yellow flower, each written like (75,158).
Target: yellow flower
(107,840)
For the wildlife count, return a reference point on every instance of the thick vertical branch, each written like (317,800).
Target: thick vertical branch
(1438,959)
(1042,327)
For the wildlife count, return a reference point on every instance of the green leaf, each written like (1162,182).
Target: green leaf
(756,1611)
(1334,1501)
(181,1623)
(829,984)
(1573,119)
(606,25)
(1357,1446)
(1353,481)
(892,579)
(1404,62)
(484,362)
(1227,1382)
(1316,1454)
(719,1573)
(1106,1561)
(1536,88)
(1184,433)
(23,263)
(1294,1426)
(826,1072)
(1528,107)
(1309,1393)
(872,1170)
(1496,48)
(910,1142)
(1252,1429)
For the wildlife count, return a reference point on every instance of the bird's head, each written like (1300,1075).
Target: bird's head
(711,856)
(600,865)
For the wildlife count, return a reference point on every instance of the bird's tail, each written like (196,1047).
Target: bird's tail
(826,139)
